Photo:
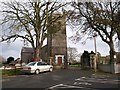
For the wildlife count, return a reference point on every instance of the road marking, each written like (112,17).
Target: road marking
(68,86)
(81,83)
(55,86)
(98,80)
(64,86)
(83,77)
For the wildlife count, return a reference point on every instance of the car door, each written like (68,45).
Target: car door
(45,65)
(40,66)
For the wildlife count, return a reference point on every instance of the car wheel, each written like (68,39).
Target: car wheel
(51,69)
(37,71)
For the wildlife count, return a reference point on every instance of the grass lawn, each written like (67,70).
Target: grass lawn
(76,65)
(11,72)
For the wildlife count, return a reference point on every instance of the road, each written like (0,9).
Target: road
(64,79)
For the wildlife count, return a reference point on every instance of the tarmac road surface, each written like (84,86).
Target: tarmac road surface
(64,79)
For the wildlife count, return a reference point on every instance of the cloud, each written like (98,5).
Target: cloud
(102,47)
(12,49)
(89,46)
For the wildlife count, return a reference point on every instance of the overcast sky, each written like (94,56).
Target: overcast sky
(14,49)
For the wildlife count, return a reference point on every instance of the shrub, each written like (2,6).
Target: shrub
(10,59)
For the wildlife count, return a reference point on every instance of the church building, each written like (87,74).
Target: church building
(55,51)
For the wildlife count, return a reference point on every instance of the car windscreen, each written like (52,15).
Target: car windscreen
(31,64)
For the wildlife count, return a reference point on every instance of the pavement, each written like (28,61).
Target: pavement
(72,78)
(90,80)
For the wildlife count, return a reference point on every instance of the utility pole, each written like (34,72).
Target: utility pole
(95,59)
(118,45)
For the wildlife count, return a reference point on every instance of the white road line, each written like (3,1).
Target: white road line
(64,86)
(68,86)
(98,80)
(55,86)
(82,83)
(116,80)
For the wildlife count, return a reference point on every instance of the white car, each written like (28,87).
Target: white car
(37,67)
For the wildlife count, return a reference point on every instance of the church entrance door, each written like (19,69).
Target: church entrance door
(59,60)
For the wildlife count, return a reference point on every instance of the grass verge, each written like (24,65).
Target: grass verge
(11,72)
(75,65)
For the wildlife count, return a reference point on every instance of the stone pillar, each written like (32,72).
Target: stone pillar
(51,60)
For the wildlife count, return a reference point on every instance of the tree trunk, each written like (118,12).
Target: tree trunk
(37,53)
(112,52)
(66,61)
(37,30)
(118,34)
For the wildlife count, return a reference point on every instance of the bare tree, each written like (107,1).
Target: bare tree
(29,21)
(72,54)
(117,30)
(97,17)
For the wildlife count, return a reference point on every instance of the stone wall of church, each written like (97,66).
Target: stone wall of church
(57,42)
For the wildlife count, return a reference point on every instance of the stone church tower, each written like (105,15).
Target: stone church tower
(57,43)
